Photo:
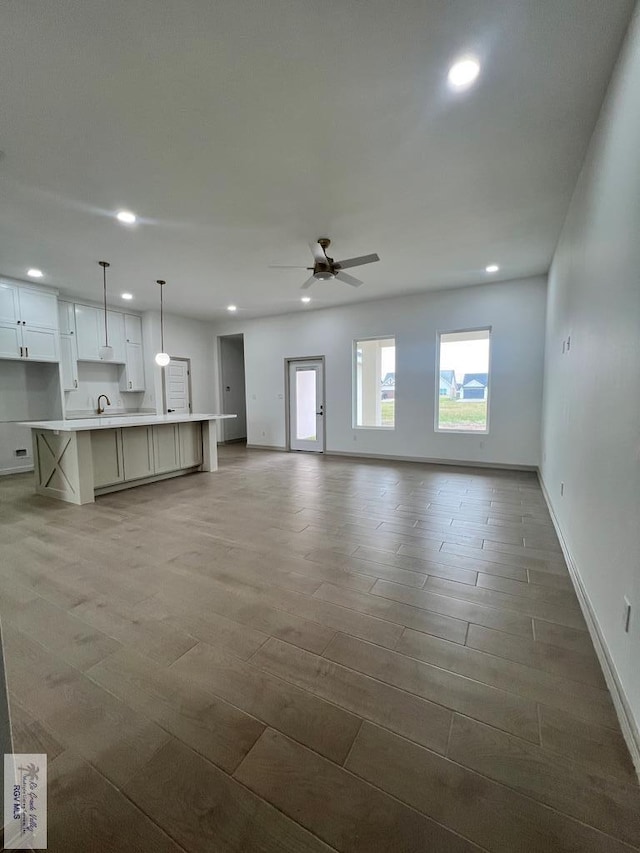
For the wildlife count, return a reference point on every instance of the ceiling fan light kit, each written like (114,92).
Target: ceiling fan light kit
(325,268)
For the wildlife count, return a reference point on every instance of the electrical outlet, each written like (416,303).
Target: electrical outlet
(626,615)
(561,490)
(21,451)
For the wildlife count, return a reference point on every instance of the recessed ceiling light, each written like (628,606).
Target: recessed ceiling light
(127,295)
(232,307)
(463,72)
(305,299)
(35,273)
(492,268)
(126,216)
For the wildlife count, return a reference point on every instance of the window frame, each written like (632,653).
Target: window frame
(354,382)
(436,419)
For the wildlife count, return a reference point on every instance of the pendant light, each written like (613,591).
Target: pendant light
(106,352)
(162,358)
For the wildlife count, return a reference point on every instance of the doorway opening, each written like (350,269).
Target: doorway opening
(177,386)
(232,391)
(305,404)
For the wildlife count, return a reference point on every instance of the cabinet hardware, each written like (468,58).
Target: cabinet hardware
(130,384)
(21,348)
(26,351)
(18,322)
(75,383)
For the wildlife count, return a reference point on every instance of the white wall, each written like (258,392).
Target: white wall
(591,423)
(28,391)
(95,379)
(514,310)
(183,338)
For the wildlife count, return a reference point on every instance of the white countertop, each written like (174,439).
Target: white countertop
(106,422)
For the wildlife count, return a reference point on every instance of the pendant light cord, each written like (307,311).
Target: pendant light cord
(161,283)
(104,265)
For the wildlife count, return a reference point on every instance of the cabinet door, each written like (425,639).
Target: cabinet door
(10,340)
(190,441)
(8,303)
(133,373)
(137,452)
(166,453)
(66,318)
(116,336)
(133,329)
(68,363)
(38,310)
(40,344)
(106,450)
(88,329)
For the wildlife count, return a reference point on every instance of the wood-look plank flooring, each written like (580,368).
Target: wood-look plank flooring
(305,654)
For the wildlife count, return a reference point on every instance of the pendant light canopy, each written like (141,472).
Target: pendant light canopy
(162,358)
(106,352)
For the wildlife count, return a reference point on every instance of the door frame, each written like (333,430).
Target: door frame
(164,383)
(287,397)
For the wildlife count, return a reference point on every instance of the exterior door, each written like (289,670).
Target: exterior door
(306,405)
(176,387)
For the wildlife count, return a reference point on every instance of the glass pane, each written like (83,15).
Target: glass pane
(376,383)
(463,391)
(306,405)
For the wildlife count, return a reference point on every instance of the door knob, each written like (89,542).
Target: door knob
(321,412)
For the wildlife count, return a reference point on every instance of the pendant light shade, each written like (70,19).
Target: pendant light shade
(105,352)
(162,358)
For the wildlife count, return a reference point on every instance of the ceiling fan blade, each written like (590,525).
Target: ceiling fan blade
(318,253)
(308,283)
(357,262)
(288,267)
(348,279)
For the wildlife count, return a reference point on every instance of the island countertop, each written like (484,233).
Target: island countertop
(106,422)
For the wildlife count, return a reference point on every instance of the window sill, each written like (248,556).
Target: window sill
(461,431)
(383,428)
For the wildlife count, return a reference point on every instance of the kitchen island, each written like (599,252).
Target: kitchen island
(75,460)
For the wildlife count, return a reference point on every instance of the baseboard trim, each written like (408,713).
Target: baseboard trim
(17,470)
(628,724)
(265,447)
(428,460)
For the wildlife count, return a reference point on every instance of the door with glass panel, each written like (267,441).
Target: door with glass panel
(306,405)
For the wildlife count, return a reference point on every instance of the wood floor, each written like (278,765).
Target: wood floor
(307,654)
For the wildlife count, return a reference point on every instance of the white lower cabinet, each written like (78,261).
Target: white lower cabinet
(190,444)
(166,452)
(137,452)
(68,363)
(106,450)
(133,453)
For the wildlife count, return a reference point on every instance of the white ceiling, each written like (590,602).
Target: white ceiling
(238,130)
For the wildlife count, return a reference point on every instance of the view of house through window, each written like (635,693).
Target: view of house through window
(463,389)
(375,379)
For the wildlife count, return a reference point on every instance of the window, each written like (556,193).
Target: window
(463,381)
(375,383)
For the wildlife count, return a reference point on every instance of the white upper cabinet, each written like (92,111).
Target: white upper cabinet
(132,378)
(10,340)
(68,362)
(28,323)
(37,309)
(66,318)
(133,329)
(116,336)
(88,329)
(8,303)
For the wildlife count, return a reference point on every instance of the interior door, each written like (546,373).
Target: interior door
(176,387)
(306,405)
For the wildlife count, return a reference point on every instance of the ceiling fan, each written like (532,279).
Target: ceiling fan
(325,268)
